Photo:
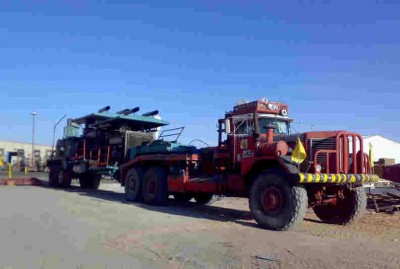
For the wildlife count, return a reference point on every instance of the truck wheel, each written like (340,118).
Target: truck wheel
(205,198)
(347,210)
(64,179)
(133,185)
(275,204)
(90,181)
(155,186)
(183,197)
(59,177)
(53,177)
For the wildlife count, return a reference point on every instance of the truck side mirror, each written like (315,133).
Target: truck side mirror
(227,126)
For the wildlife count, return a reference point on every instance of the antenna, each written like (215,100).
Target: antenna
(242,101)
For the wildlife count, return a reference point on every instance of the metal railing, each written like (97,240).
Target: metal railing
(360,161)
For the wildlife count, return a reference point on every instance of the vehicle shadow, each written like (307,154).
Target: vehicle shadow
(173,207)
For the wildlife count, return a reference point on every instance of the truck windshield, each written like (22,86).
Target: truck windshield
(282,126)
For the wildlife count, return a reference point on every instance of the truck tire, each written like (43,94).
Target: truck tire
(347,211)
(155,186)
(133,185)
(183,197)
(53,177)
(59,178)
(205,198)
(90,181)
(275,204)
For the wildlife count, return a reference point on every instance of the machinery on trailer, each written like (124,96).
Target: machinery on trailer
(257,157)
(95,145)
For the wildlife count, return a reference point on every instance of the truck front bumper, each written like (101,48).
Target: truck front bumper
(305,178)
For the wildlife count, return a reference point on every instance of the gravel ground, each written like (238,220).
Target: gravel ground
(42,227)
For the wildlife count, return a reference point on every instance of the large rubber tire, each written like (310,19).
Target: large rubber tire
(205,198)
(347,211)
(53,176)
(183,197)
(155,186)
(90,181)
(275,204)
(59,178)
(133,185)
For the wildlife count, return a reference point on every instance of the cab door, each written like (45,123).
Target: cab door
(242,143)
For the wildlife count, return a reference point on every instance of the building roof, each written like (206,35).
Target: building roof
(382,137)
(22,142)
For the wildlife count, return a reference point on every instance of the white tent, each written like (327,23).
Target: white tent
(382,147)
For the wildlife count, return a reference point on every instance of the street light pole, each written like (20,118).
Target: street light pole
(33,138)
(54,133)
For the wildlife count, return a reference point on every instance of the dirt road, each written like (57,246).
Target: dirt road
(47,228)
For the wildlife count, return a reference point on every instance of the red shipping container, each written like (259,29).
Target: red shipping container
(391,172)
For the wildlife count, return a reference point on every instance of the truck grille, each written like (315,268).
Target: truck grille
(318,144)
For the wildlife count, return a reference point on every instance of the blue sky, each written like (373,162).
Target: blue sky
(336,63)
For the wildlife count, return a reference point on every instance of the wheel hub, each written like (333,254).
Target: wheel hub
(61,177)
(132,184)
(151,187)
(272,200)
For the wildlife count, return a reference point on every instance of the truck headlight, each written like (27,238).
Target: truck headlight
(318,168)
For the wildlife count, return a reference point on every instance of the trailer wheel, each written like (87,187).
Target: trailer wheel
(155,186)
(205,198)
(59,177)
(133,185)
(90,181)
(347,210)
(183,197)
(275,204)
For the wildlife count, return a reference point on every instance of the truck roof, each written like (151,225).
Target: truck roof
(103,118)
(261,106)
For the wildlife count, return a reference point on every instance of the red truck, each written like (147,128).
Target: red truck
(257,157)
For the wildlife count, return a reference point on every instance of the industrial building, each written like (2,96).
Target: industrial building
(19,154)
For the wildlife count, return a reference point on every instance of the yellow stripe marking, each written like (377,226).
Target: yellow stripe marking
(325,178)
(353,179)
(301,177)
(309,179)
(333,178)
(339,178)
(344,178)
(317,178)
(363,177)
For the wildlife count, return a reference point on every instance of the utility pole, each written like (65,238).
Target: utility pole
(54,133)
(33,138)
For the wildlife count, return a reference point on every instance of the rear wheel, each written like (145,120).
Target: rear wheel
(90,180)
(155,186)
(133,185)
(183,197)
(347,210)
(205,198)
(59,177)
(275,204)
